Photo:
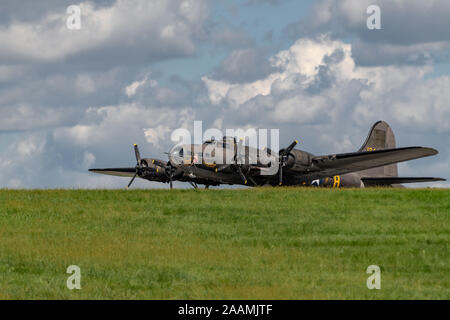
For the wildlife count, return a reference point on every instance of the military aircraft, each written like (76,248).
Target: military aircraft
(374,164)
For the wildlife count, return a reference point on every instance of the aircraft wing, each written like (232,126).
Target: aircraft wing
(336,164)
(386,181)
(121,172)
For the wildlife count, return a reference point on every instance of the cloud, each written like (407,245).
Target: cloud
(40,100)
(22,163)
(29,147)
(295,69)
(111,124)
(412,31)
(171,30)
(416,102)
(243,65)
(230,37)
(88,160)
(157,135)
(131,89)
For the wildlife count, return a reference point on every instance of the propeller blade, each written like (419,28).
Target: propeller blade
(291,146)
(138,155)
(244,179)
(132,179)
(235,150)
(280,175)
(240,156)
(252,181)
(170,170)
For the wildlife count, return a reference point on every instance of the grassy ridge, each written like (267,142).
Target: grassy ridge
(282,243)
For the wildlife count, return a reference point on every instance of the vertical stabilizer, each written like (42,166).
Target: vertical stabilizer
(380,137)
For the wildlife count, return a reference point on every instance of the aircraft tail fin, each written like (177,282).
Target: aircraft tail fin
(380,137)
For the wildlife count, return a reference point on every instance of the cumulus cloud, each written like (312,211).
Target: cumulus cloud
(171,29)
(297,69)
(112,124)
(132,88)
(48,100)
(29,147)
(243,65)
(23,161)
(412,31)
(157,135)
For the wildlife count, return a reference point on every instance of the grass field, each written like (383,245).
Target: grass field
(282,243)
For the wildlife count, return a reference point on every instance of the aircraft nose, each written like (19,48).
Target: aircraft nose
(176,156)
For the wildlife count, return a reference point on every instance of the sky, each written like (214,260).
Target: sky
(137,70)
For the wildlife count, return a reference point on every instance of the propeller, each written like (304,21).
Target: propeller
(138,164)
(170,171)
(236,160)
(283,155)
(236,157)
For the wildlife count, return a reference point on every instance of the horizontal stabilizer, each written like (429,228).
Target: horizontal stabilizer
(121,172)
(335,164)
(387,181)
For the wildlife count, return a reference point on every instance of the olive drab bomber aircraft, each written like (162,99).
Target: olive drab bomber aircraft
(374,164)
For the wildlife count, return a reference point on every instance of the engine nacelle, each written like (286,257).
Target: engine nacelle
(155,167)
(299,160)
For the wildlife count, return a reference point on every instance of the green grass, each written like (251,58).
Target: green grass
(281,243)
